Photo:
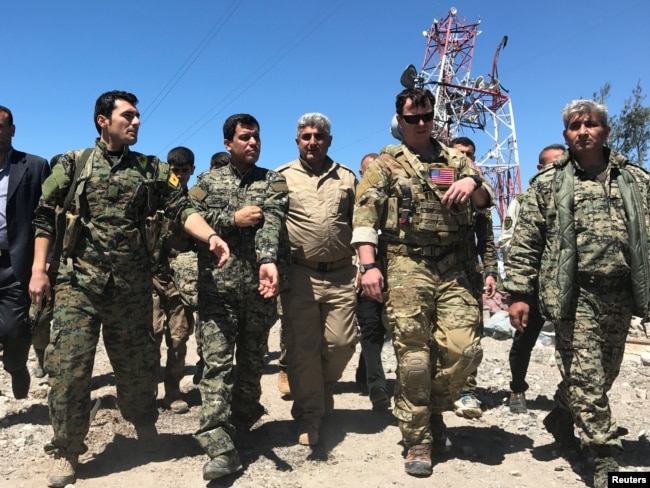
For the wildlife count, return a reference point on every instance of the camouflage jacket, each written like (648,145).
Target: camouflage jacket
(217,195)
(398,194)
(573,223)
(110,244)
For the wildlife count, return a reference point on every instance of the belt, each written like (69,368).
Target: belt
(423,251)
(324,267)
(603,281)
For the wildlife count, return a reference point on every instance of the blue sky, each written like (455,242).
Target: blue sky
(194,63)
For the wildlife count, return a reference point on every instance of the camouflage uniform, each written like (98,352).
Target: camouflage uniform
(523,342)
(582,240)
(105,283)
(234,319)
(430,301)
(171,317)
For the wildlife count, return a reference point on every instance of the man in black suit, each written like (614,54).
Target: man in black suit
(21,176)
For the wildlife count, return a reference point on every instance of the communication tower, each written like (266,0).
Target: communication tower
(463,102)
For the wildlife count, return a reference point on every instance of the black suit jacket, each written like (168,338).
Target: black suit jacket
(26,175)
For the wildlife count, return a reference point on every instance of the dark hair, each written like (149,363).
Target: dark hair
(558,146)
(219,159)
(463,141)
(10,117)
(418,96)
(180,156)
(230,125)
(55,160)
(106,103)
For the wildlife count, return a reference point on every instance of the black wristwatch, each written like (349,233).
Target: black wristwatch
(477,179)
(365,267)
(267,261)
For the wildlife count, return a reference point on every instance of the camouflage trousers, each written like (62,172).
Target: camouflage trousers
(589,352)
(232,329)
(175,322)
(435,322)
(124,319)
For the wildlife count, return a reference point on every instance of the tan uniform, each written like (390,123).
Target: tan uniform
(319,325)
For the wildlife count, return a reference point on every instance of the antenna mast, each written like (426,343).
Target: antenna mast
(479,103)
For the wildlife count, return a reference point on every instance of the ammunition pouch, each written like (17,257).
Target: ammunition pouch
(73,227)
(153,236)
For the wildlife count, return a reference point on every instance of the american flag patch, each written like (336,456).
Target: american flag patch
(442,176)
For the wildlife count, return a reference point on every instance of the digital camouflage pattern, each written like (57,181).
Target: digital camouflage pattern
(105,283)
(234,319)
(111,243)
(185,271)
(430,301)
(172,319)
(582,240)
(600,232)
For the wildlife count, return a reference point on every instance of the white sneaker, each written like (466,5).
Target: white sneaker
(468,406)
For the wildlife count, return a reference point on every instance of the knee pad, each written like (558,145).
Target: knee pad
(471,357)
(415,376)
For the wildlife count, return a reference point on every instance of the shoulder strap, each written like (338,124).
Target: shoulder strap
(79,166)
(60,223)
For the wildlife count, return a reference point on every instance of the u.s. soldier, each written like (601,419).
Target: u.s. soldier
(237,304)
(105,280)
(422,196)
(582,245)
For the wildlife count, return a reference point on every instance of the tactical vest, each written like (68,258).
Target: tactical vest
(417,209)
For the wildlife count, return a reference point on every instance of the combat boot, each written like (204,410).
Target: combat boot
(222,465)
(559,423)
(62,472)
(175,402)
(418,460)
(283,383)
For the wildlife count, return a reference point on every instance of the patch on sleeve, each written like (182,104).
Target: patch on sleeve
(173,179)
(198,193)
(507,223)
(280,186)
(520,197)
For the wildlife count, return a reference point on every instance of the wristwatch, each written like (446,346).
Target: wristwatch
(477,179)
(365,267)
(267,261)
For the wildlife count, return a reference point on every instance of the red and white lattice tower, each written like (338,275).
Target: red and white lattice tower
(463,102)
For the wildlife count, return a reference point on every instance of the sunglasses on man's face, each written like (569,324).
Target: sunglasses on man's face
(415,119)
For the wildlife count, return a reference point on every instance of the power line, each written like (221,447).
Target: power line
(251,80)
(192,58)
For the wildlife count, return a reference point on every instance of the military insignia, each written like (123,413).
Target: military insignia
(507,223)
(173,180)
(442,176)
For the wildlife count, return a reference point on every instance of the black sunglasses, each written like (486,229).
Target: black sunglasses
(415,119)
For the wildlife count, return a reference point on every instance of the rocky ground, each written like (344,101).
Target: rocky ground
(359,447)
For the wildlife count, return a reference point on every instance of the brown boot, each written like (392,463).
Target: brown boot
(418,460)
(283,383)
(63,469)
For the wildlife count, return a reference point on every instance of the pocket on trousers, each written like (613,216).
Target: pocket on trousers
(52,356)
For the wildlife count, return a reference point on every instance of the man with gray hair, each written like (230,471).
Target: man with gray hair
(582,246)
(318,319)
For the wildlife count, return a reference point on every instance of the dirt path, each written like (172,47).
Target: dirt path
(359,447)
